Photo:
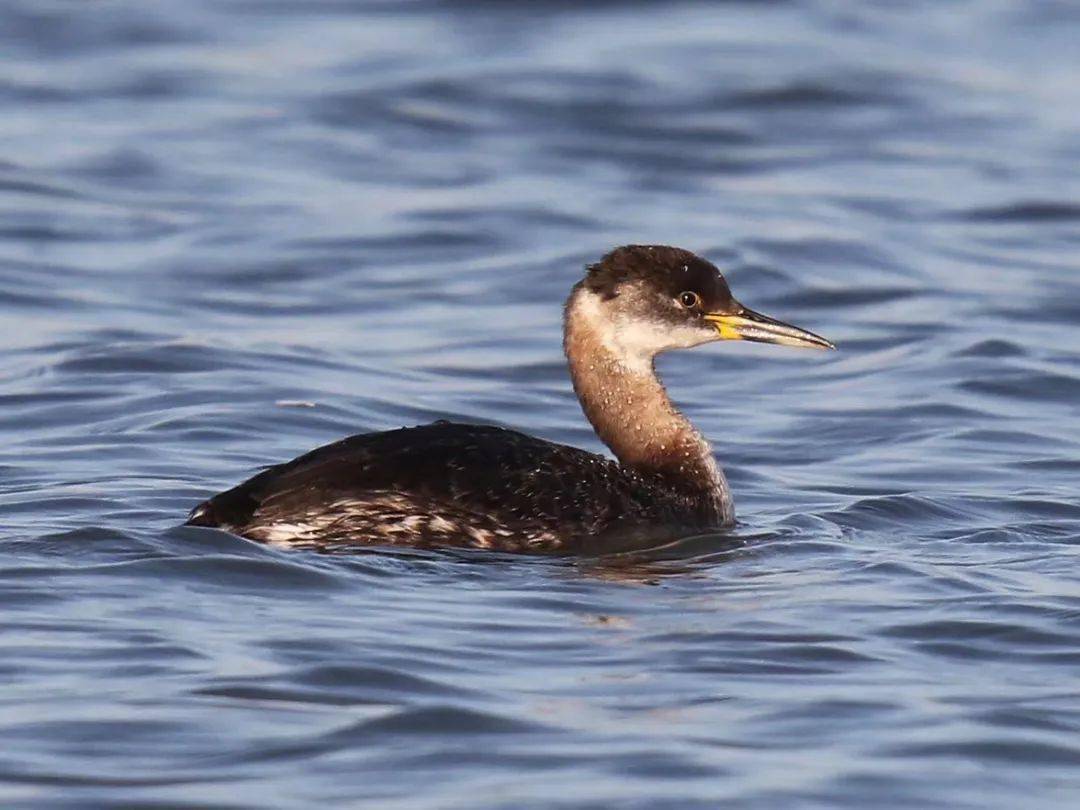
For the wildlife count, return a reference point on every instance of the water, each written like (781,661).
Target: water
(232,231)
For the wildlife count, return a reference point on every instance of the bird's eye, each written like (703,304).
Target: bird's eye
(689,299)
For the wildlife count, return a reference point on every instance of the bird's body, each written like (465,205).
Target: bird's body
(451,484)
(493,488)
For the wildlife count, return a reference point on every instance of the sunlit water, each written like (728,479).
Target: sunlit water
(232,231)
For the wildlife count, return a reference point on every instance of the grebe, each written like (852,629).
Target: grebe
(487,487)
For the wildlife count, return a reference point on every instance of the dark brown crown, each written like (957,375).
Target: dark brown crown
(670,270)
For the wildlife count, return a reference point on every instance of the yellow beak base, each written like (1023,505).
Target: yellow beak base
(757,328)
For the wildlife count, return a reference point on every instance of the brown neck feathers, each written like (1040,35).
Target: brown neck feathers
(626,403)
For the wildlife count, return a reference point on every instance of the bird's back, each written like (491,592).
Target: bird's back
(445,484)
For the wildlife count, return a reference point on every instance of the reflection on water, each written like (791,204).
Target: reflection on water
(233,231)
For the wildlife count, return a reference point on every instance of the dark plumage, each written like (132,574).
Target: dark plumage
(488,487)
(670,270)
(449,484)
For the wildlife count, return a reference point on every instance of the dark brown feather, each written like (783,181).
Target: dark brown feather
(526,493)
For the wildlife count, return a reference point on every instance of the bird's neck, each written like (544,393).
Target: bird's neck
(626,403)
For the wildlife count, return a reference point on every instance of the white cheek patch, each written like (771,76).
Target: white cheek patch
(648,337)
(634,342)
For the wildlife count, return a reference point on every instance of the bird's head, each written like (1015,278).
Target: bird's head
(652,298)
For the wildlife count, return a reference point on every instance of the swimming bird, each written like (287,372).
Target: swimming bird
(489,487)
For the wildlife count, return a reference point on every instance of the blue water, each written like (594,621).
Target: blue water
(232,231)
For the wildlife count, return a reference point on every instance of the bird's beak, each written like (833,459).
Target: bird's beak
(753,326)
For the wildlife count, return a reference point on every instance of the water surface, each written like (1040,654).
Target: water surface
(231,231)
